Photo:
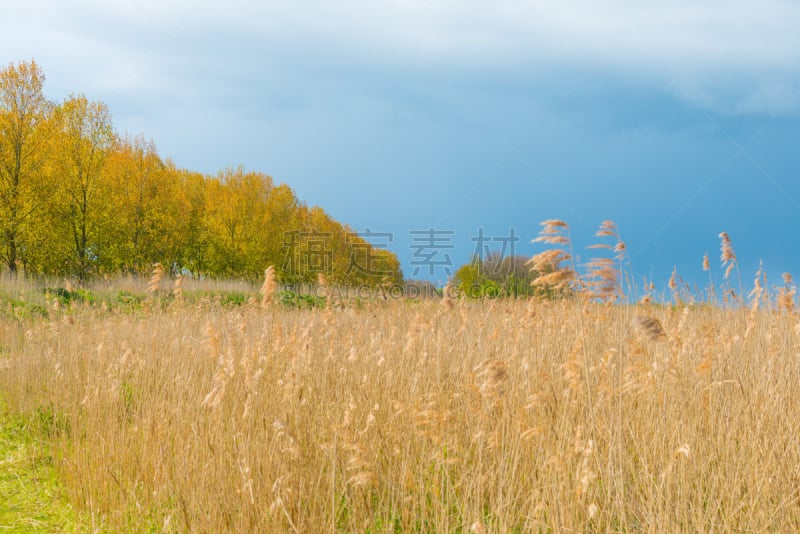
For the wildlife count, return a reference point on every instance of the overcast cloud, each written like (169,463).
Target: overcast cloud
(647,112)
(155,48)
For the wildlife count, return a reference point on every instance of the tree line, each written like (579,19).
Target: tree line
(78,199)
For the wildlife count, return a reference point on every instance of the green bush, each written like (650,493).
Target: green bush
(293,299)
(65,297)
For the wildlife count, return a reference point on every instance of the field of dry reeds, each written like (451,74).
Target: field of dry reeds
(176,406)
(503,416)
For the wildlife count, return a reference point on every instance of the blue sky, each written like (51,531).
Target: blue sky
(677,121)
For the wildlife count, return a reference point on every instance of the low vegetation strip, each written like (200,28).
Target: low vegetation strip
(31,499)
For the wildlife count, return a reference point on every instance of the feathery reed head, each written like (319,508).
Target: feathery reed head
(673,285)
(649,327)
(607,228)
(269,286)
(603,274)
(447,295)
(553,232)
(786,298)
(155,279)
(177,289)
(548,266)
(727,257)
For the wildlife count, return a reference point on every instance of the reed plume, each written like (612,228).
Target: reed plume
(154,283)
(729,260)
(324,289)
(649,327)
(447,295)
(673,284)
(177,289)
(712,293)
(603,277)
(552,267)
(269,286)
(757,291)
(785,299)
(728,256)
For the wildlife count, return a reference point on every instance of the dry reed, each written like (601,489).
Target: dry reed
(400,417)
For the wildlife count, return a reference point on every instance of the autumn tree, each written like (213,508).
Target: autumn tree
(174,212)
(76,200)
(24,136)
(345,256)
(235,212)
(87,137)
(195,246)
(150,208)
(284,226)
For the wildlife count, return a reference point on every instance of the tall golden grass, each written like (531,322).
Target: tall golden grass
(582,413)
(497,416)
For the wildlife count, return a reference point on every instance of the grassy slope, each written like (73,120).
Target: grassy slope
(30,496)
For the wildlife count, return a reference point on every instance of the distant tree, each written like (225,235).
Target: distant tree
(495,275)
(422,289)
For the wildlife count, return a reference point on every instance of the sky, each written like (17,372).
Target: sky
(678,120)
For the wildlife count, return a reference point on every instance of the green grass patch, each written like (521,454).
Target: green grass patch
(67,297)
(31,499)
(223,298)
(20,309)
(293,299)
